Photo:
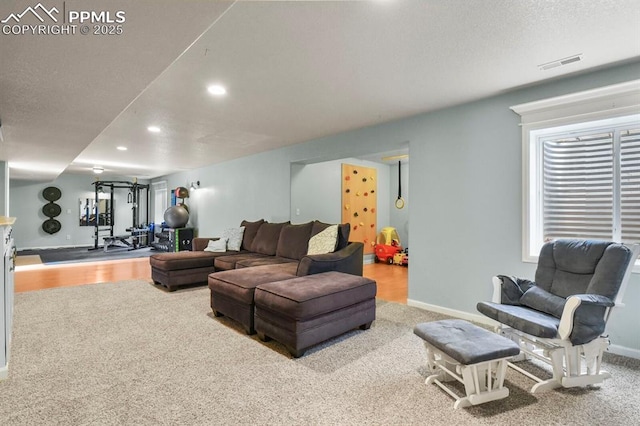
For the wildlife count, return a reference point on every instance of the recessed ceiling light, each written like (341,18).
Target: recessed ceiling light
(121,148)
(153,129)
(217,90)
(98,170)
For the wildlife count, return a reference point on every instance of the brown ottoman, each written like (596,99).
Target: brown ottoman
(232,291)
(182,268)
(305,311)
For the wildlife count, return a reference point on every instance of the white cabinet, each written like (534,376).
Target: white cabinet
(7,248)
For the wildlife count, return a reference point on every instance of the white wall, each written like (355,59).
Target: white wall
(26,204)
(466,194)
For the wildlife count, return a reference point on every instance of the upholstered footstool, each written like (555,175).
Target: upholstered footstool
(232,291)
(475,357)
(305,311)
(182,268)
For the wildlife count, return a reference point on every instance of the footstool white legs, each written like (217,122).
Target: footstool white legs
(483,382)
(477,358)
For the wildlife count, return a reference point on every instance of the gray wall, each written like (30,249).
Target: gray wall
(316,191)
(27,202)
(399,218)
(466,196)
(259,186)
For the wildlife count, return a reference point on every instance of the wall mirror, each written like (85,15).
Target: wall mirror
(88,212)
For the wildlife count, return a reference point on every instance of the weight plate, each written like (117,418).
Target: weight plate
(51,226)
(51,193)
(51,210)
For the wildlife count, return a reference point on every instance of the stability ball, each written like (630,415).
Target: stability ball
(176,216)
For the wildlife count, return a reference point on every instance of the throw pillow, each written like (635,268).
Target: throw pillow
(543,301)
(234,238)
(324,241)
(217,246)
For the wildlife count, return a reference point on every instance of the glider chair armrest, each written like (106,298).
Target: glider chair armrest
(508,290)
(200,243)
(571,314)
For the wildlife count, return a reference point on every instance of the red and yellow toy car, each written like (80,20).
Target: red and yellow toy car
(387,245)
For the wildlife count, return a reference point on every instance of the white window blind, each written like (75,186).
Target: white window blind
(578,187)
(591,185)
(630,185)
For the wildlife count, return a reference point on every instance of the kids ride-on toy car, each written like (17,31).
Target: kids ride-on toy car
(387,245)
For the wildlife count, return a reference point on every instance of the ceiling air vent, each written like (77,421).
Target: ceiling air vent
(560,62)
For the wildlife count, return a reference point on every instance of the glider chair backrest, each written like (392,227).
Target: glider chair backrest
(568,267)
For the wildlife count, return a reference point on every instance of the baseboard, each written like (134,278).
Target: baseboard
(481,319)
(53,247)
(624,351)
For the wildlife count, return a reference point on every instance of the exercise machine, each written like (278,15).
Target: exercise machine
(104,229)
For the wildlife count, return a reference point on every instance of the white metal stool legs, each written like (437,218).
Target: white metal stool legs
(483,382)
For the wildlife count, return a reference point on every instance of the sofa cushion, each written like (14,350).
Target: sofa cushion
(307,297)
(227,262)
(250,231)
(324,241)
(293,240)
(240,284)
(266,239)
(343,232)
(267,260)
(182,260)
(217,246)
(234,237)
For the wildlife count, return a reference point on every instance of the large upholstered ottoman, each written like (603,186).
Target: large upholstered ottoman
(232,291)
(183,268)
(305,311)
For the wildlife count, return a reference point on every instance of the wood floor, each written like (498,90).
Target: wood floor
(391,279)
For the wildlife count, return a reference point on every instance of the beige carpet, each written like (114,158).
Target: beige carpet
(130,353)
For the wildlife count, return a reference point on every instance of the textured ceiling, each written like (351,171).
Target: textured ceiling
(294,71)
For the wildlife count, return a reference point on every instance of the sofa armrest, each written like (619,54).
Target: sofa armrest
(348,260)
(584,316)
(508,290)
(200,243)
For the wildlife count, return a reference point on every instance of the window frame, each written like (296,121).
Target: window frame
(606,103)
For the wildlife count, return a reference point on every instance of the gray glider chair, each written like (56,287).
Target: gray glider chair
(561,317)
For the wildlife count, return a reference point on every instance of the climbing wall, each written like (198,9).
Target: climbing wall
(359,201)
